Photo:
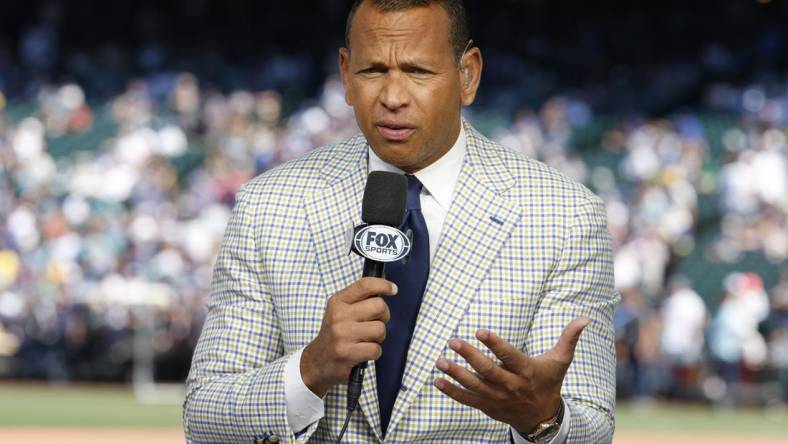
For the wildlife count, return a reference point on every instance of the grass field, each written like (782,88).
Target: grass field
(94,414)
(93,406)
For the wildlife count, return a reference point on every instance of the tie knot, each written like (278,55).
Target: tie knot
(414,192)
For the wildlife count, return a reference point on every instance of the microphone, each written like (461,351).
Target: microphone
(385,199)
(379,241)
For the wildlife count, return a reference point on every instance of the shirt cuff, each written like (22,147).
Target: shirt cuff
(563,432)
(303,406)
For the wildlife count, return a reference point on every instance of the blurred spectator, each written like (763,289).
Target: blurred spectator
(683,327)
(734,338)
(626,321)
(778,336)
(684,319)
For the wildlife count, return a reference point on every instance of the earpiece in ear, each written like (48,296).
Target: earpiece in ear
(465,72)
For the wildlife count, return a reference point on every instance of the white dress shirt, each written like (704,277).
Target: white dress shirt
(439,180)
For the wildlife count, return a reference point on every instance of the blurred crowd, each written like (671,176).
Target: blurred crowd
(727,347)
(88,237)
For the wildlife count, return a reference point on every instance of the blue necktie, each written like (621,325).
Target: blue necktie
(411,278)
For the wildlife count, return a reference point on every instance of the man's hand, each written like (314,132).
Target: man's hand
(522,392)
(353,327)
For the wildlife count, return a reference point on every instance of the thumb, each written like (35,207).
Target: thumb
(564,350)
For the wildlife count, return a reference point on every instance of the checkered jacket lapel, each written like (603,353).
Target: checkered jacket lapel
(332,210)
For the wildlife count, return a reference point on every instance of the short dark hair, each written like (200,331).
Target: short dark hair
(459,35)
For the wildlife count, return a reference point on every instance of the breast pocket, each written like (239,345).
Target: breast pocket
(507,315)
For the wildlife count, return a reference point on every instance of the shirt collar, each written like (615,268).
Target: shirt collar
(440,177)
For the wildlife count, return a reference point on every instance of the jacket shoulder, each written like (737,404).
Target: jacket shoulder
(304,175)
(535,178)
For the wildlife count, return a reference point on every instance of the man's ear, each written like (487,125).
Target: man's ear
(344,72)
(470,75)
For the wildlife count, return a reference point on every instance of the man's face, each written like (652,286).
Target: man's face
(404,84)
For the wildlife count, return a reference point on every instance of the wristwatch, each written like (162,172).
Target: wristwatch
(547,430)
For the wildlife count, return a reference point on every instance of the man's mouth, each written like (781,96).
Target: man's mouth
(394,132)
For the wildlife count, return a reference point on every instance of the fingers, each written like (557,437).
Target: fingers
(460,395)
(372,309)
(468,379)
(365,351)
(365,288)
(372,331)
(564,350)
(511,357)
(483,365)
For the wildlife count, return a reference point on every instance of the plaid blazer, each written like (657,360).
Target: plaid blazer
(524,250)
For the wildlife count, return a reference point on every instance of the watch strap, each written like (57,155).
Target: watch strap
(547,430)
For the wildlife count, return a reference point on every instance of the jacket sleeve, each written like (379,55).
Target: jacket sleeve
(581,284)
(236,389)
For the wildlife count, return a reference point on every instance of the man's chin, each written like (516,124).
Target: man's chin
(398,155)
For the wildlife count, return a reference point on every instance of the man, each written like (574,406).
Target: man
(517,264)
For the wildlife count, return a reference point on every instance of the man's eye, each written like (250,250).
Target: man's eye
(372,71)
(420,72)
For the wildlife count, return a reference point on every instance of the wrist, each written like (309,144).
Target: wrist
(546,431)
(551,412)
(309,375)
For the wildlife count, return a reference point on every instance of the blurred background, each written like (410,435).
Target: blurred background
(126,127)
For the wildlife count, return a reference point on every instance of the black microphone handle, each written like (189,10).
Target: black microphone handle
(371,269)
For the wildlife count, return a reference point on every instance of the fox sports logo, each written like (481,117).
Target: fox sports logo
(382,243)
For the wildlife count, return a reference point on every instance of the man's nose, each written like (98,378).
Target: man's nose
(394,94)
